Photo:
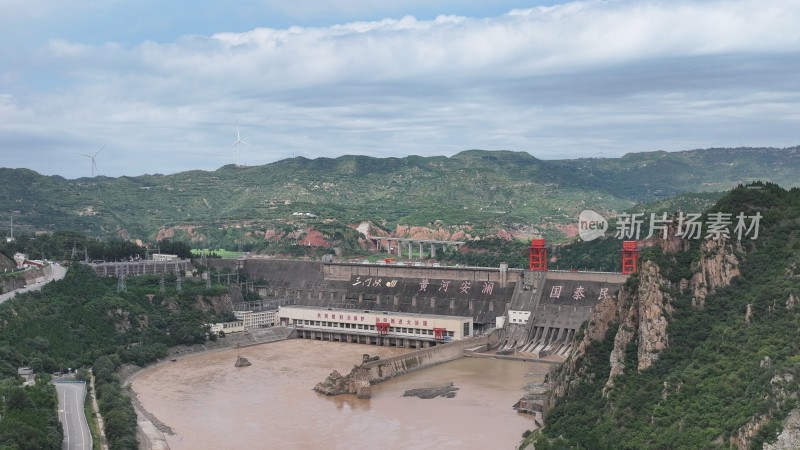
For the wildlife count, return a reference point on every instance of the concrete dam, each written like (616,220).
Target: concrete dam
(537,311)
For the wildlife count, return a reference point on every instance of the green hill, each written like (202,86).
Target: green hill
(479,191)
(724,370)
(82,321)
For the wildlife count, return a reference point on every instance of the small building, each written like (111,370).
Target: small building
(20,258)
(257,319)
(226,327)
(163,257)
(27,375)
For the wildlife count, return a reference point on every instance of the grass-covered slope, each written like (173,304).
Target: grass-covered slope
(484,190)
(730,372)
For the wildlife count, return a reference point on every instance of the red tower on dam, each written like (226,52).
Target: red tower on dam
(630,257)
(538,255)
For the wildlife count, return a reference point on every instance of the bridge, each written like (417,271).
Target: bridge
(539,312)
(382,242)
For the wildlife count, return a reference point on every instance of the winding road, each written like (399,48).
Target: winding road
(57,272)
(70,394)
(71,414)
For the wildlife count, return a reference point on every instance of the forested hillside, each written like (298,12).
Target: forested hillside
(476,192)
(700,349)
(83,321)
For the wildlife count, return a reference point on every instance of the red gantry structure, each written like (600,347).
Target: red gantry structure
(439,333)
(538,255)
(630,257)
(382,327)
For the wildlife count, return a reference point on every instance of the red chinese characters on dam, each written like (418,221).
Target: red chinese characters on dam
(357,318)
(578,293)
(428,286)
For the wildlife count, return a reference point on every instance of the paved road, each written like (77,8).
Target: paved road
(71,415)
(57,273)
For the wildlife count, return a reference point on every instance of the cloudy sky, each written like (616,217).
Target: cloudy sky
(161,86)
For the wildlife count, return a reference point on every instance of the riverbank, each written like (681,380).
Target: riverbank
(150,430)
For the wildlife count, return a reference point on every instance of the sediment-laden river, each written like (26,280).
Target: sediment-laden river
(210,404)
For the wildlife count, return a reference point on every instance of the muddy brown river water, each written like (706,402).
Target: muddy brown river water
(210,404)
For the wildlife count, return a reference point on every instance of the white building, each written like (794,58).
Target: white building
(519,317)
(163,257)
(257,319)
(382,323)
(227,327)
(20,258)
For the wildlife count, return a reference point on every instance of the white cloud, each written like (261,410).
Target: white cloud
(575,36)
(551,80)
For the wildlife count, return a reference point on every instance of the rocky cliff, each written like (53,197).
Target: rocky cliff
(640,312)
(717,266)
(790,436)
(645,322)
(710,328)
(783,387)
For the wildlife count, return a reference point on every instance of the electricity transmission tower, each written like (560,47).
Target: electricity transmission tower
(178,283)
(121,271)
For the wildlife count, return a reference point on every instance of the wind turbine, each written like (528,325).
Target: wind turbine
(94,164)
(236,144)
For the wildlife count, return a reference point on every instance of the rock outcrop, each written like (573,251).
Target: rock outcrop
(654,307)
(438,232)
(608,312)
(217,304)
(640,314)
(790,436)
(790,302)
(241,361)
(604,314)
(645,321)
(446,391)
(783,387)
(355,382)
(625,333)
(671,243)
(181,230)
(718,265)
